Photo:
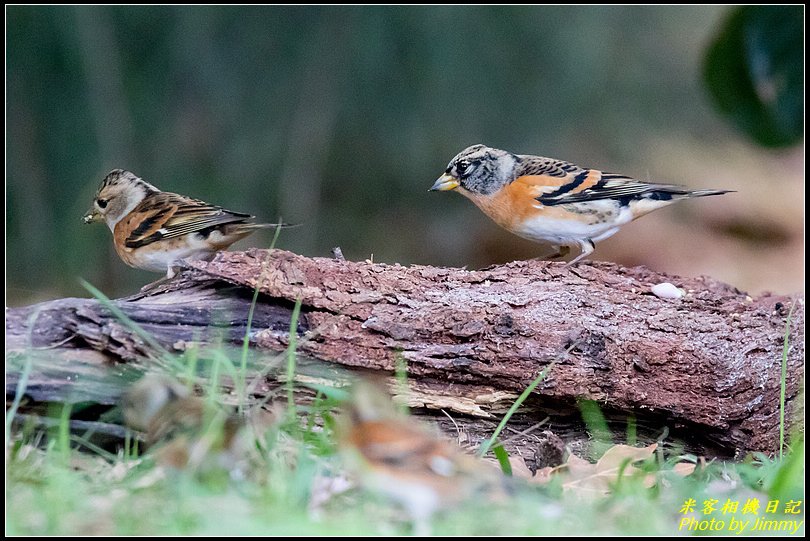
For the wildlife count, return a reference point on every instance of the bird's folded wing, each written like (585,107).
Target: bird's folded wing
(166,215)
(615,187)
(556,182)
(549,178)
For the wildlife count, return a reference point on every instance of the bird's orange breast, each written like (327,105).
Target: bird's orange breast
(509,206)
(516,203)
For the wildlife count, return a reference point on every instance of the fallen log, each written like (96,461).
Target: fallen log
(704,368)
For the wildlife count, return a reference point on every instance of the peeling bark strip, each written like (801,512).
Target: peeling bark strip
(707,363)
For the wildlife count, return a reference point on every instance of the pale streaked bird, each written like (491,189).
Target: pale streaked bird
(154,229)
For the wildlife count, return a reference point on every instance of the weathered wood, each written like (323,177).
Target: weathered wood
(706,366)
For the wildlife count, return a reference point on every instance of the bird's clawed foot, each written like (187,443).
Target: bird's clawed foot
(587,247)
(558,253)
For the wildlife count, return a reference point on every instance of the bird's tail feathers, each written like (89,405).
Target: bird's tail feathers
(705,193)
(282,225)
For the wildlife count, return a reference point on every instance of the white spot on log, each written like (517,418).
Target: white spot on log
(665,290)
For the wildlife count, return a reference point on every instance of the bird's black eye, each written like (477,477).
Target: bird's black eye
(102,203)
(462,166)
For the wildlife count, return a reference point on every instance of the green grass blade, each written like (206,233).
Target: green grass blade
(191,359)
(63,434)
(401,376)
(134,327)
(788,481)
(632,430)
(487,444)
(291,347)
(22,383)
(597,427)
(242,383)
(785,348)
(84,442)
(503,459)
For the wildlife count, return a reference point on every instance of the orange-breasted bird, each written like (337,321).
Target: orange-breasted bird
(397,456)
(543,199)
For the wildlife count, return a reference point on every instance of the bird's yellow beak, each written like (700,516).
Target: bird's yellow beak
(91,216)
(444,183)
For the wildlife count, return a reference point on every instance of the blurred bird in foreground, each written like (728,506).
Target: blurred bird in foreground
(543,199)
(153,229)
(394,455)
(186,431)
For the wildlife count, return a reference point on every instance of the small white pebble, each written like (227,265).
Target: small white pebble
(666,290)
(365,324)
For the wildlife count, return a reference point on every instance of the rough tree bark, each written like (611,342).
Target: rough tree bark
(705,368)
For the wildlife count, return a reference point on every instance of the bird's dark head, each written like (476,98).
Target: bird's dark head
(478,169)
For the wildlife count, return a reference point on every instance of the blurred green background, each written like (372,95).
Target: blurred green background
(340,118)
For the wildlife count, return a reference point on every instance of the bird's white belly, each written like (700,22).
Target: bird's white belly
(564,231)
(161,259)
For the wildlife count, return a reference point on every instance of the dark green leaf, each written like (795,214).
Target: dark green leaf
(754,72)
